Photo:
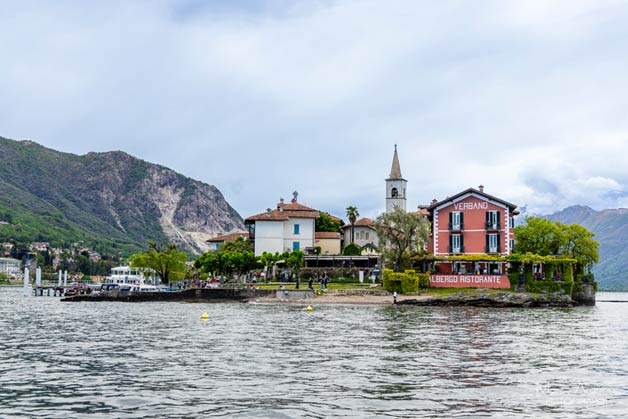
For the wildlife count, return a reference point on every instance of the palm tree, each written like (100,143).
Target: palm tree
(352,215)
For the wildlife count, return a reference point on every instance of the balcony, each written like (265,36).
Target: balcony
(455,249)
(455,226)
(492,249)
(493,225)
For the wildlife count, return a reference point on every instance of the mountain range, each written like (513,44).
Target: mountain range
(611,230)
(112,202)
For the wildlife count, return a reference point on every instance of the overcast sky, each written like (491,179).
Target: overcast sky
(261,98)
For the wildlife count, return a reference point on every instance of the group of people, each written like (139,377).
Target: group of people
(323,280)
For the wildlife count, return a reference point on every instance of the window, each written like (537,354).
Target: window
(296,246)
(492,243)
(492,220)
(296,229)
(456,220)
(512,245)
(456,243)
(394,192)
(512,222)
(367,235)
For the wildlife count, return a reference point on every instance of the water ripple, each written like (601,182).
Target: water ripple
(157,360)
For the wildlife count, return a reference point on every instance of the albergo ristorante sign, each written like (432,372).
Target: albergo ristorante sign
(469,281)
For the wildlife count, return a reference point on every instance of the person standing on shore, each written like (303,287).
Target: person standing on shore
(395,297)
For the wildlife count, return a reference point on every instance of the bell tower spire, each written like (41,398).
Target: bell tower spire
(395,170)
(395,186)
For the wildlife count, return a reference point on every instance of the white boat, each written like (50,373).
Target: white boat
(128,275)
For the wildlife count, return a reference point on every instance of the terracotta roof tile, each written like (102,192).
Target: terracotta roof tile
(229,237)
(362,222)
(295,206)
(422,211)
(276,215)
(326,235)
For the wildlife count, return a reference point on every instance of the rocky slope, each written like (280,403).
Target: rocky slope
(110,200)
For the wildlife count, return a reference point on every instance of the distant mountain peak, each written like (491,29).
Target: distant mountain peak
(107,197)
(611,230)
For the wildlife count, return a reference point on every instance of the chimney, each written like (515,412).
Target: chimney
(481,188)
(268,212)
(280,205)
(434,201)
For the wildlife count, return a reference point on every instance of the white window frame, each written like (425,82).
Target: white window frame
(456,248)
(456,219)
(493,242)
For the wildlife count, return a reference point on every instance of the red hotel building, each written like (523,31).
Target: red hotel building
(471,222)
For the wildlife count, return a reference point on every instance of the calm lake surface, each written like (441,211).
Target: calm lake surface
(157,360)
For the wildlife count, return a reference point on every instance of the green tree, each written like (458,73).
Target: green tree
(539,236)
(233,257)
(239,245)
(268,260)
(545,237)
(324,222)
(352,249)
(578,243)
(295,261)
(352,215)
(401,235)
(166,261)
(210,262)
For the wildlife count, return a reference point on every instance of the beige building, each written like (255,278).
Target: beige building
(329,242)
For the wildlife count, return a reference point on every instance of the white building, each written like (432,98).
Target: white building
(364,235)
(11,267)
(288,227)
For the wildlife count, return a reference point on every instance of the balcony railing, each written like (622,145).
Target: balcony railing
(492,249)
(490,225)
(456,226)
(456,249)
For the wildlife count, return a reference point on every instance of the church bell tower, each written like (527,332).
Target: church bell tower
(395,186)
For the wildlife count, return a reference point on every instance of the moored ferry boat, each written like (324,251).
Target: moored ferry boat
(128,275)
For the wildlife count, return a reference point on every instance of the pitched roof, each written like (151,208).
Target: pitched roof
(295,206)
(395,170)
(475,192)
(362,222)
(277,215)
(421,211)
(229,237)
(326,235)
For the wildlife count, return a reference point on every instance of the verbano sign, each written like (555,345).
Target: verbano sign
(458,206)
(469,281)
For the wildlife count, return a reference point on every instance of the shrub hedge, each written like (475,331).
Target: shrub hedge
(405,282)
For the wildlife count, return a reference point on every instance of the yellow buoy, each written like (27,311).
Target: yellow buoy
(204,315)
(309,308)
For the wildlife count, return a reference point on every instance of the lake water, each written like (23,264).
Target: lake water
(157,360)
